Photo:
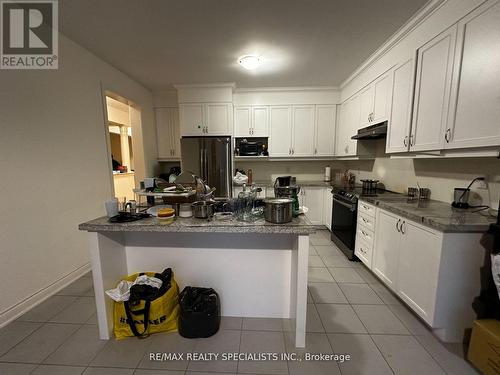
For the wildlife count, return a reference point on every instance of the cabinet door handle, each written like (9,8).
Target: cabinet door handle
(405,143)
(289,151)
(403,229)
(293,151)
(447,135)
(412,143)
(315,151)
(397,226)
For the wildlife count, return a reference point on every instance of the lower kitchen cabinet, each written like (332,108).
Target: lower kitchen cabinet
(312,198)
(386,248)
(327,211)
(436,274)
(419,258)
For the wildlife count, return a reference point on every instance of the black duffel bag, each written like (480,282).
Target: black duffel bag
(199,312)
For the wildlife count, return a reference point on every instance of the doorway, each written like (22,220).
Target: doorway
(123,121)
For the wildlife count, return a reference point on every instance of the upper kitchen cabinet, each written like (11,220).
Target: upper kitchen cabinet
(292,131)
(168,133)
(205,119)
(432,92)
(475,106)
(398,131)
(251,121)
(348,126)
(281,135)
(325,130)
(206,110)
(303,130)
(375,101)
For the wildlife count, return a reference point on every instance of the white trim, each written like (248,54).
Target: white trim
(401,33)
(35,299)
(205,85)
(285,89)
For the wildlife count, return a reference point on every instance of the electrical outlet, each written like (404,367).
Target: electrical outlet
(483,184)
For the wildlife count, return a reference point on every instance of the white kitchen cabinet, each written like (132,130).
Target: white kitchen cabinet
(418,267)
(168,133)
(386,247)
(347,127)
(325,130)
(242,121)
(365,233)
(303,130)
(375,101)
(312,198)
(218,118)
(382,91)
(280,134)
(436,274)
(327,204)
(474,119)
(260,121)
(398,131)
(201,119)
(432,92)
(292,131)
(192,118)
(251,121)
(366,103)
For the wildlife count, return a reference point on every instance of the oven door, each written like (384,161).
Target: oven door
(344,217)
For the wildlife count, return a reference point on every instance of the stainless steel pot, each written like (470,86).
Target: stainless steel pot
(278,210)
(203,209)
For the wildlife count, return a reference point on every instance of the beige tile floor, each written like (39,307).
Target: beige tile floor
(349,312)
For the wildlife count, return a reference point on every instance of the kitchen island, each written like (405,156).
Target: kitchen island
(259,269)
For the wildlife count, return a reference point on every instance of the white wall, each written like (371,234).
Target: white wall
(440,175)
(303,170)
(56,169)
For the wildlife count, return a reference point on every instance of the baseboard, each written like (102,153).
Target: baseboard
(27,304)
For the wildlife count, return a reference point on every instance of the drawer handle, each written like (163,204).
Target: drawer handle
(364,220)
(364,234)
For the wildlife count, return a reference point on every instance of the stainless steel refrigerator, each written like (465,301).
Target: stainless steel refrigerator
(210,159)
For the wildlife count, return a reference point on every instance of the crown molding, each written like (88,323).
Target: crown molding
(284,89)
(429,8)
(231,85)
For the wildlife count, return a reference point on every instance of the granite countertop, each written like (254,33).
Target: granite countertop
(434,214)
(299,225)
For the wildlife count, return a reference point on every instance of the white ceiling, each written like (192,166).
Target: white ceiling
(302,43)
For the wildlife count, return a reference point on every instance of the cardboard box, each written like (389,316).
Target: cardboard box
(484,348)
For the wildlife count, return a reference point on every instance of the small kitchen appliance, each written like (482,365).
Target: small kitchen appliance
(284,187)
(461,195)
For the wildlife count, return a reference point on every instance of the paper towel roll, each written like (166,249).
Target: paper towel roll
(327,173)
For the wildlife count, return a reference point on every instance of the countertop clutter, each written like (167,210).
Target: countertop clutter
(228,224)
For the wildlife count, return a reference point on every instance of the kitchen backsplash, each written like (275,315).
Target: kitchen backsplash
(303,170)
(440,175)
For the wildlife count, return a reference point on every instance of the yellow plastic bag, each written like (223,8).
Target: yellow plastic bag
(149,316)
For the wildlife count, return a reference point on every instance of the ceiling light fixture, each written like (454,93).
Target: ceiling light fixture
(249,62)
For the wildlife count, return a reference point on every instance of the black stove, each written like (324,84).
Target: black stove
(345,215)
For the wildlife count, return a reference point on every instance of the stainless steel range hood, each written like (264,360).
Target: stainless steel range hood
(372,132)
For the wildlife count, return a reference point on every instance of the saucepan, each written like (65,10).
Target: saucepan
(203,209)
